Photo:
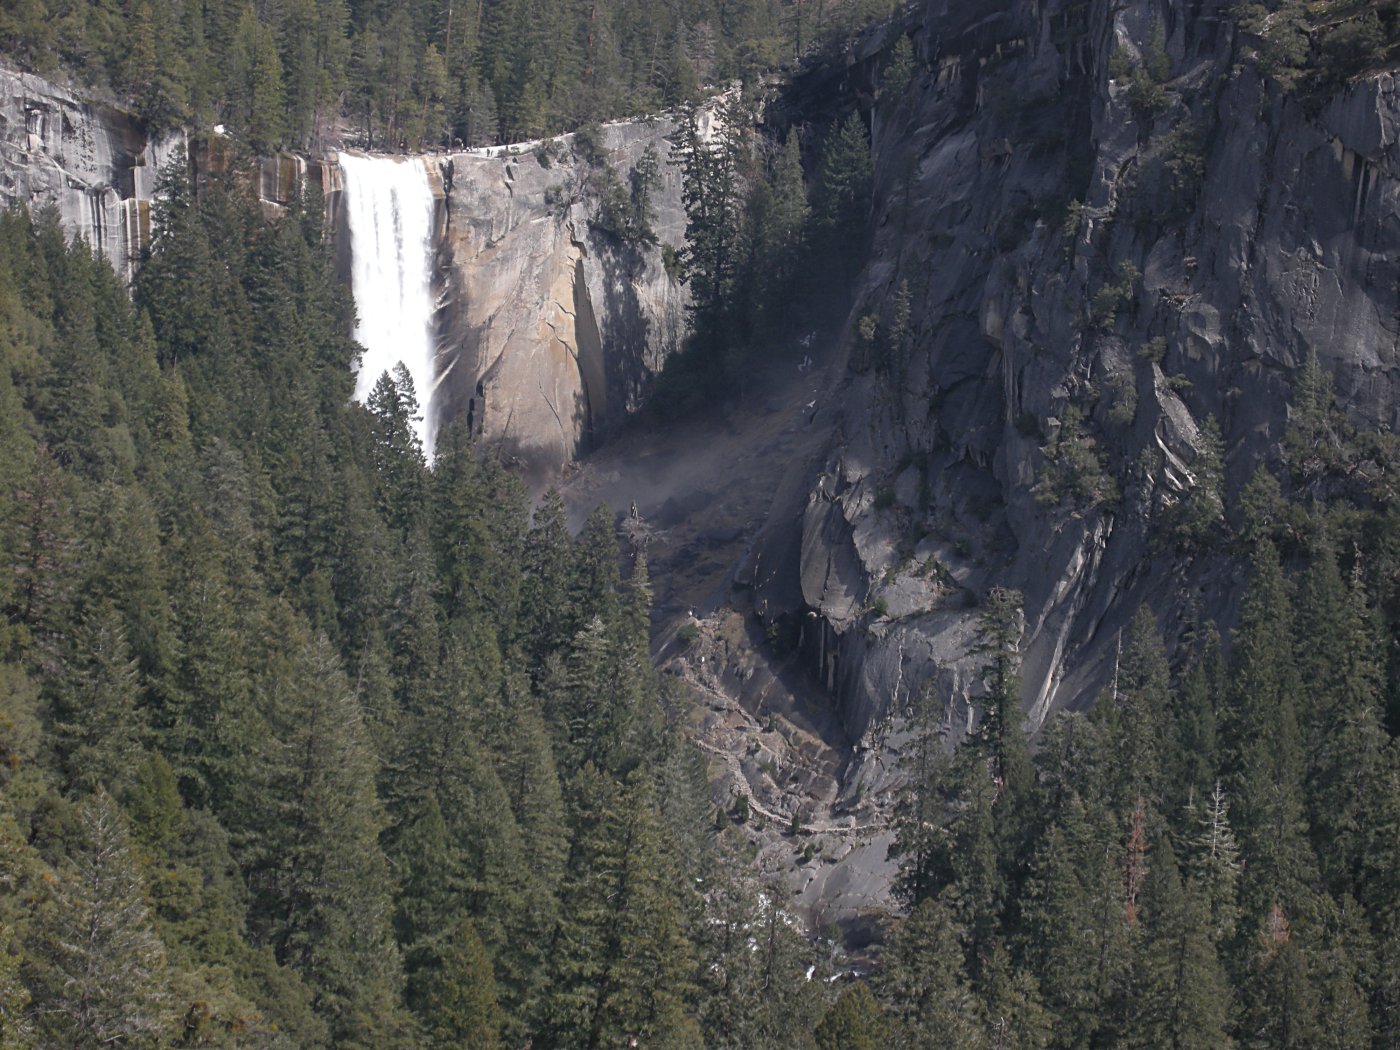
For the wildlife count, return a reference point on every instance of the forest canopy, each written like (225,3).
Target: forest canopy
(416,74)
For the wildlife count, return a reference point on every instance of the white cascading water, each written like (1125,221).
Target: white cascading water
(389,207)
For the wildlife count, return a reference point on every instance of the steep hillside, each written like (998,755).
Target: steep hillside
(1105,243)
(1111,229)
(1108,240)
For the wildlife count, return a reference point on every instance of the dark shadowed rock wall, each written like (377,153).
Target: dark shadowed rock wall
(1075,245)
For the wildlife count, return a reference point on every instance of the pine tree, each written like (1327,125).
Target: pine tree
(98,727)
(1077,920)
(1202,511)
(153,804)
(125,566)
(1015,1016)
(15,1030)
(754,961)
(41,558)
(546,560)
(256,83)
(1191,766)
(455,992)
(480,514)
(594,580)
(1313,439)
(400,469)
(297,44)
(980,864)
(1267,760)
(731,989)
(1000,736)
(1262,509)
(924,985)
(898,71)
(1073,761)
(528,774)
(1000,739)
(413,633)
(22,778)
(442,755)
(1142,685)
(622,963)
(710,171)
(1184,998)
(1344,740)
(483,123)
(16,456)
(157,71)
(779,221)
(102,980)
(1214,865)
(322,880)
(854,1022)
(429,897)
(1386,994)
(841,196)
(1340,955)
(1281,1009)
(208,723)
(921,806)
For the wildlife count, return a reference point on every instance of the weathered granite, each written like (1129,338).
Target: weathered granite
(551,329)
(91,161)
(1288,245)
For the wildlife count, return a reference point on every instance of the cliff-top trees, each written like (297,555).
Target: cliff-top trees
(418,74)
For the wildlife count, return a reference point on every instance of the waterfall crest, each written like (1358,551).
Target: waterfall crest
(389,209)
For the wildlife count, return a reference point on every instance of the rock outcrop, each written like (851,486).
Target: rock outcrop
(91,161)
(551,326)
(1093,253)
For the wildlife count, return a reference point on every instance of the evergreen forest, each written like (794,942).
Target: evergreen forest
(412,75)
(309,743)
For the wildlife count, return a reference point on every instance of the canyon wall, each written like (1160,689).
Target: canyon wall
(89,160)
(551,325)
(1097,260)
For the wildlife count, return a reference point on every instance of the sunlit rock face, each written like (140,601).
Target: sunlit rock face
(91,162)
(514,311)
(543,330)
(551,329)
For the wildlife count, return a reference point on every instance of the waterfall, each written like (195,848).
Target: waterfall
(389,208)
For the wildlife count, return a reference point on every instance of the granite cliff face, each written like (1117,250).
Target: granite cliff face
(549,328)
(1093,254)
(91,161)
